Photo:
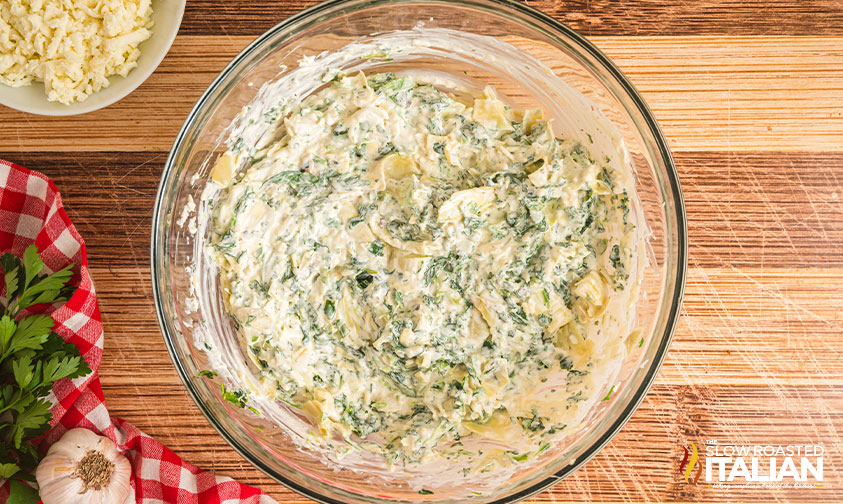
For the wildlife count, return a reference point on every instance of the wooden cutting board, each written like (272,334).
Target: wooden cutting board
(750,97)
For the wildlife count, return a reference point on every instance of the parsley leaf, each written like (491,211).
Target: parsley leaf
(32,332)
(23,370)
(520,458)
(8,470)
(35,418)
(21,493)
(238,397)
(55,369)
(11,274)
(364,278)
(376,248)
(30,287)
(32,359)
(32,264)
(7,330)
(329,308)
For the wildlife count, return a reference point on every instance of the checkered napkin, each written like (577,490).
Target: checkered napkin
(31,212)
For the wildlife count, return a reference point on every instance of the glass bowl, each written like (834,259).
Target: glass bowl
(532,61)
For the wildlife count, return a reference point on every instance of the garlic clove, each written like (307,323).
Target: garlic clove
(84,468)
(118,495)
(72,442)
(63,488)
(122,472)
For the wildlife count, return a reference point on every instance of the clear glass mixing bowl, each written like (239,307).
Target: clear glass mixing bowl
(564,56)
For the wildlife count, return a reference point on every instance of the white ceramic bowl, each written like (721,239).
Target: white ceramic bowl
(166,16)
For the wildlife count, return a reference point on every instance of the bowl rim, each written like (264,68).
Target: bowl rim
(671,183)
(136,77)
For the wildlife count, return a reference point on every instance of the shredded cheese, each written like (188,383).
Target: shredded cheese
(72,46)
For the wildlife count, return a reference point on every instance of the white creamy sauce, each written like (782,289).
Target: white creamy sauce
(499,432)
(418,274)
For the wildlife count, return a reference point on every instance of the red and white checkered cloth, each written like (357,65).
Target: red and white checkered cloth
(31,212)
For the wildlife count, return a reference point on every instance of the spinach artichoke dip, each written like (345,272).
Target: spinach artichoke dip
(413,270)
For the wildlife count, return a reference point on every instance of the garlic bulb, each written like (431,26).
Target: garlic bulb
(84,468)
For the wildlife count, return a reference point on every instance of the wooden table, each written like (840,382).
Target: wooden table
(750,96)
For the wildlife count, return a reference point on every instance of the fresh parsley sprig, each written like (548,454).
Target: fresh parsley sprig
(32,358)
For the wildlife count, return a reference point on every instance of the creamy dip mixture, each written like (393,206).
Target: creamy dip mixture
(413,271)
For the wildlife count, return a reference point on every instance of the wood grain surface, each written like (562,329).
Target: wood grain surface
(727,93)
(750,96)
